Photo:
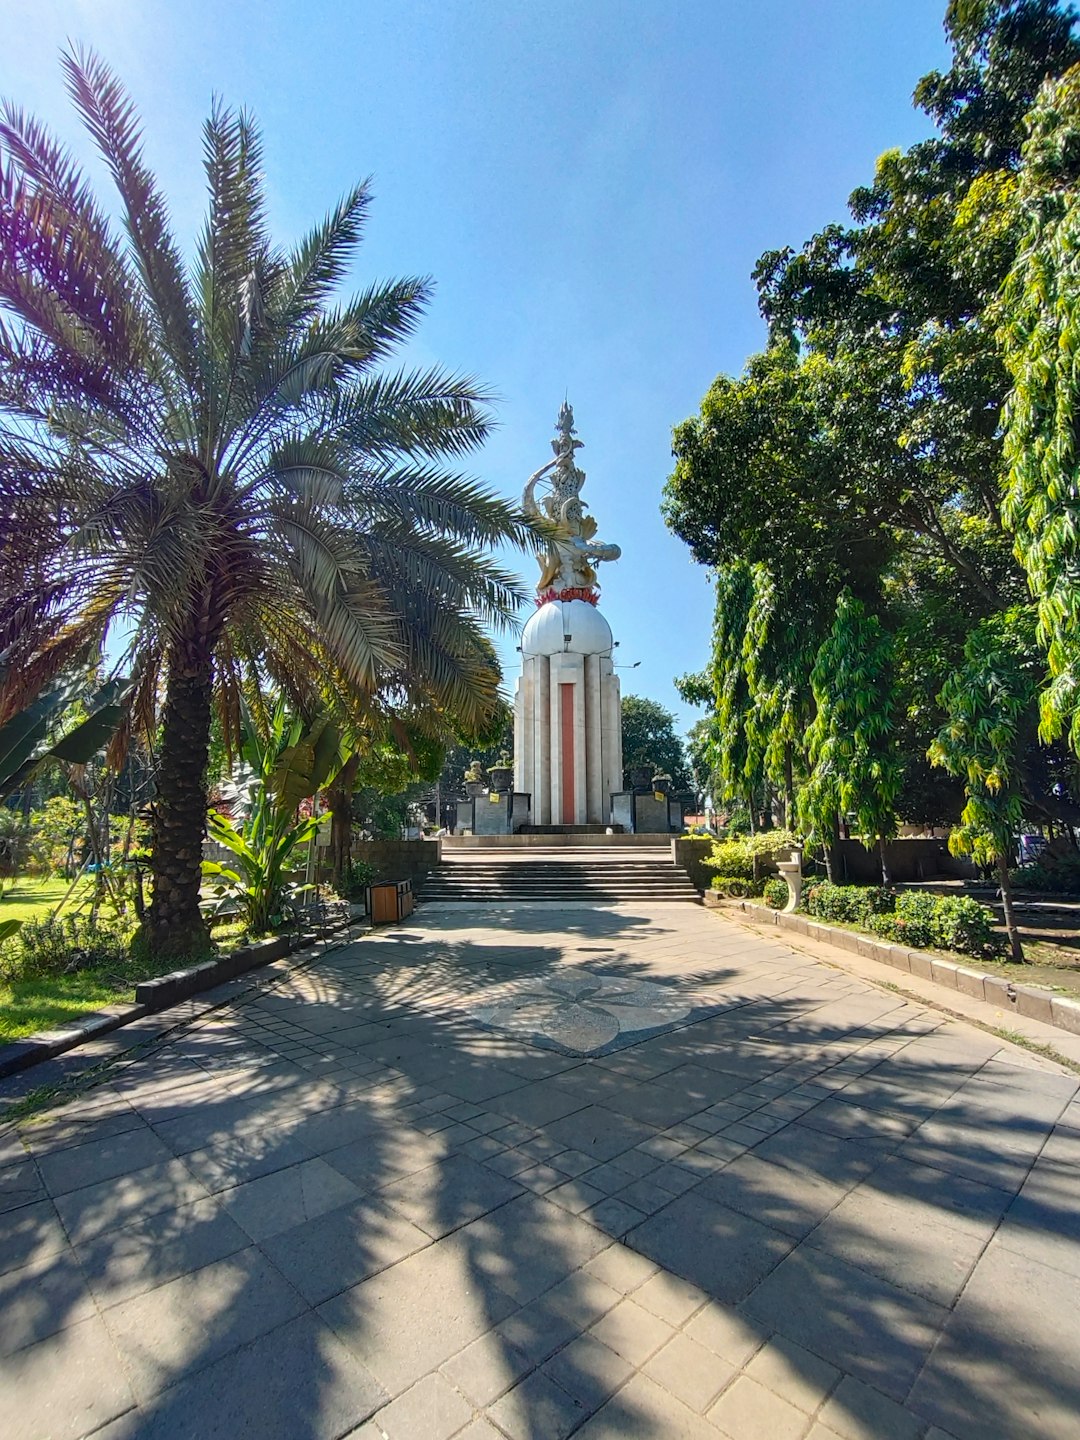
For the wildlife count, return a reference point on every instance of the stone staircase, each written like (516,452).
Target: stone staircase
(566,874)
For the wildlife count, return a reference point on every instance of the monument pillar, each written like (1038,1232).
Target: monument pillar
(567,711)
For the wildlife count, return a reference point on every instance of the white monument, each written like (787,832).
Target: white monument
(567,709)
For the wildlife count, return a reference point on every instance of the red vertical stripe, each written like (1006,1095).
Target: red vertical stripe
(566,705)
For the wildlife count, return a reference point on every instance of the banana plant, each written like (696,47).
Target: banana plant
(26,739)
(285,766)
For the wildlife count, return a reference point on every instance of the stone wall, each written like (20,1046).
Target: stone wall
(689,854)
(398,859)
(909,860)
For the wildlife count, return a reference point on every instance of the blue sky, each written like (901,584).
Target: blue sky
(589,181)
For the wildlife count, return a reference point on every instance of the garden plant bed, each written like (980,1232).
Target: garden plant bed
(982,979)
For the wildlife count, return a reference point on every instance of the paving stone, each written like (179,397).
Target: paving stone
(536,1104)
(904,1243)
(614,1216)
(963,1203)
(791,1201)
(449,1194)
(645,1197)
(747,1411)
(691,1373)
(325,1256)
(480,1429)
(675,1178)
(575,1196)
(190,1322)
(20,1184)
(858,1412)
(793,1373)
(63,1387)
(296,1381)
(538,1406)
(40,1298)
(240,1158)
(727,1332)
(588,1371)
(598,1131)
(720,1250)
(30,1232)
(529,1245)
(1006,1363)
(632,1332)
(670,1298)
(120,1264)
(110,1204)
(286,1198)
(852,1318)
(621,1268)
(487,1368)
(431,1410)
(582,1298)
(643,1410)
(815,1152)
(411,1318)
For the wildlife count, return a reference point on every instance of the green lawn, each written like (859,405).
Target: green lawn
(27,1006)
(28,899)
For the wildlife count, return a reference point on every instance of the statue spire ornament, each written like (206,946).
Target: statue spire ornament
(553,493)
(567,710)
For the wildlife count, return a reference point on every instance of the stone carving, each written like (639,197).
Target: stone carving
(582,1012)
(568,564)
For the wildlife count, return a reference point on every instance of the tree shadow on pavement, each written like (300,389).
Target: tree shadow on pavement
(341,1197)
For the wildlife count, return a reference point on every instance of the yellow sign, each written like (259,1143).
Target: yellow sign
(658,795)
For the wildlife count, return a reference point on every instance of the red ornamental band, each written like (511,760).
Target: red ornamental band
(573,592)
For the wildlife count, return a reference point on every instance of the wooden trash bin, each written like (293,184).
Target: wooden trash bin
(390,900)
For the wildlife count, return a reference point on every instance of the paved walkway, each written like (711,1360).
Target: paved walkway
(602,1173)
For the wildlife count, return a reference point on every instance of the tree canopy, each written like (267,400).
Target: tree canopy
(650,741)
(902,454)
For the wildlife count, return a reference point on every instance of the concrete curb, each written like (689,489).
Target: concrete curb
(1024,999)
(151,996)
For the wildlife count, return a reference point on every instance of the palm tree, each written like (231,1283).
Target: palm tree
(208,456)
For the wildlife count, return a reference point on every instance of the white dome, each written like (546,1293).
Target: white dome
(546,631)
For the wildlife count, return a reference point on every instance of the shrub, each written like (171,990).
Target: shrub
(961,923)
(751,855)
(60,945)
(1055,871)
(738,887)
(951,922)
(731,858)
(850,904)
(914,916)
(776,893)
(359,876)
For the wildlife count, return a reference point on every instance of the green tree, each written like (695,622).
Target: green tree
(987,703)
(1040,333)
(212,452)
(862,451)
(854,764)
(649,741)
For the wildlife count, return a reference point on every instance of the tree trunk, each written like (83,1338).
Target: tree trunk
(175,926)
(886,878)
(1011,928)
(832,851)
(789,789)
(339,795)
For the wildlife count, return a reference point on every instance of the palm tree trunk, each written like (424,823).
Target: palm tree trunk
(175,925)
(339,794)
(1011,927)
